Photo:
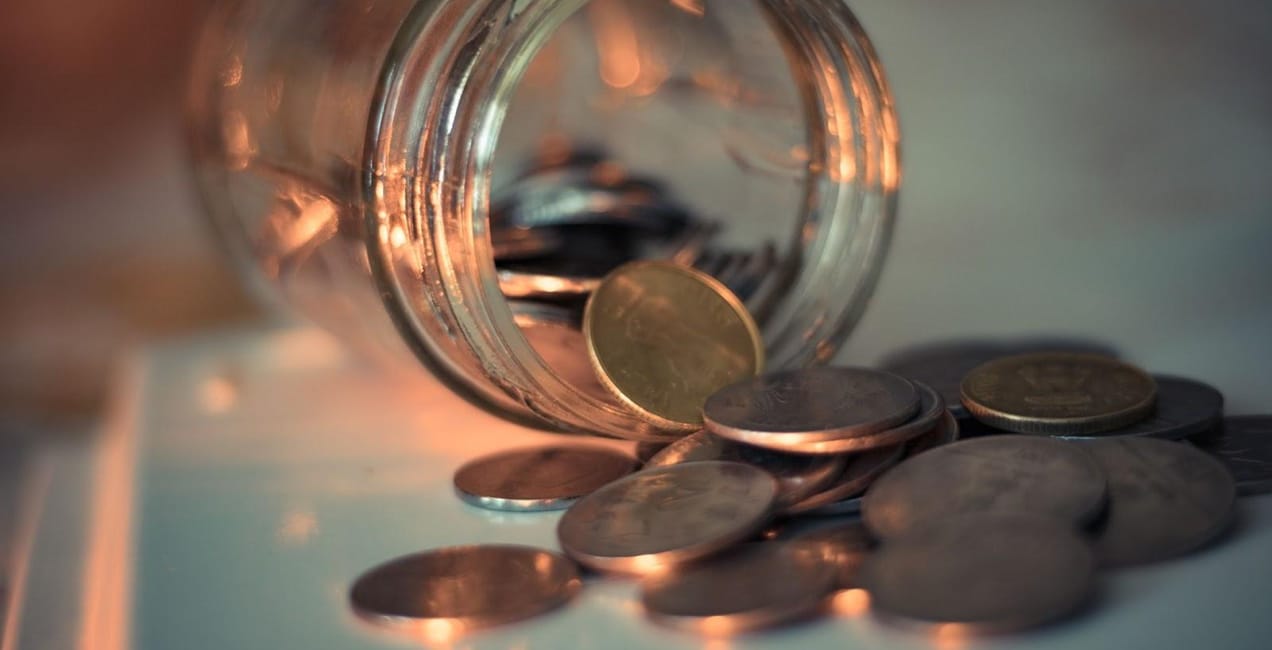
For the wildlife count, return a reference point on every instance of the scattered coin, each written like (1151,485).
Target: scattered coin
(861,470)
(985,572)
(797,476)
(539,478)
(664,337)
(810,405)
(1058,393)
(756,586)
(1165,499)
(931,406)
(1183,408)
(1244,445)
(945,432)
(998,474)
(647,450)
(842,545)
(659,518)
(464,588)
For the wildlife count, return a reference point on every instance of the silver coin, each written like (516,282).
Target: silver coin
(554,333)
(1184,407)
(862,469)
(984,572)
(931,407)
(999,474)
(811,404)
(798,476)
(464,588)
(756,586)
(660,518)
(1165,499)
(539,478)
(1244,444)
(842,546)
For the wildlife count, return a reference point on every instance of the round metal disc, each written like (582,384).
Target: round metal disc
(1061,393)
(931,406)
(842,545)
(554,334)
(986,573)
(1184,408)
(539,478)
(1165,499)
(809,405)
(798,476)
(663,517)
(862,469)
(647,450)
(998,474)
(756,586)
(464,588)
(1244,444)
(944,366)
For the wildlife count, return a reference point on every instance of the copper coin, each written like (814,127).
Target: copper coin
(931,407)
(842,546)
(539,478)
(862,469)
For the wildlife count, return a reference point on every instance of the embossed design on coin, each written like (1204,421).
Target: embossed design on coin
(1058,393)
(798,476)
(1245,445)
(1183,408)
(539,478)
(989,573)
(1165,499)
(756,586)
(812,404)
(659,518)
(664,337)
(464,588)
(931,406)
(1009,473)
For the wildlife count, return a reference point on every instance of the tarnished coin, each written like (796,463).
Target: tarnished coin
(555,335)
(797,476)
(810,405)
(1184,407)
(862,469)
(931,406)
(659,518)
(999,474)
(758,585)
(539,478)
(664,337)
(1059,393)
(1165,499)
(943,367)
(1244,444)
(842,546)
(986,573)
(464,588)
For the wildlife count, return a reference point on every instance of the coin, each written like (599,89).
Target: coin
(463,588)
(1006,474)
(659,518)
(539,478)
(943,367)
(526,284)
(1058,393)
(1184,408)
(554,334)
(984,572)
(931,406)
(1166,498)
(810,405)
(1244,444)
(647,450)
(797,476)
(756,586)
(523,243)
(842,546)
(664,337)
(861,470)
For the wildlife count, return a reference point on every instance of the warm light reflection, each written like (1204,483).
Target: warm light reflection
(218,394)
(397,236)
(239,147)
(296,527)
(716,644)
(316,223)
(233,73)
(951,636)
(693,7)
(851,602)
(717,626)
(625,63)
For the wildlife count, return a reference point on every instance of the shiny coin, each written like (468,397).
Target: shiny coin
(554,334)
(810,405)
(464,588)
(664,337)
(1165,499)
(659,518)
(985,573)
(998,474)
(1059,393)
(1184,408)
(931,406)
(1244,444)
(756,586)
(539,478)
(862,469)
(797,476)
(842,545)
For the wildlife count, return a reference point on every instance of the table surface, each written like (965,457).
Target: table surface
(251,475)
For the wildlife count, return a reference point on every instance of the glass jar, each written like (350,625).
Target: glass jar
(350,152)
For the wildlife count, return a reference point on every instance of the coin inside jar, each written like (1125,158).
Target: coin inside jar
(539,478)
(664,337)
(660,518)
(1008,473)
(798,476)
(464,588)
(1058,393)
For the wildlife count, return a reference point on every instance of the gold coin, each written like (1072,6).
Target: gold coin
(1058,393)
(664,337)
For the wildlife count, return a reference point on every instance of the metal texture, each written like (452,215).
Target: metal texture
(539,478)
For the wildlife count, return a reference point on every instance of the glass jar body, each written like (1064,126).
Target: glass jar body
(348,152)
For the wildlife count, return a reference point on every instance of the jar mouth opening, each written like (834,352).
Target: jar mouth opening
(435,127)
